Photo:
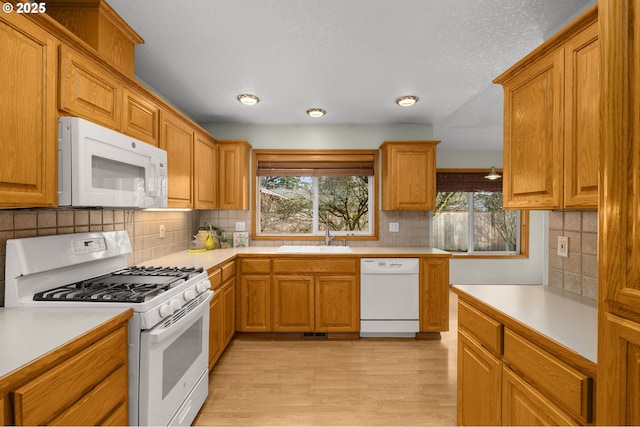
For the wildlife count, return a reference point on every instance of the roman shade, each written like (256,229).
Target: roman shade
(302,163)
(466,181)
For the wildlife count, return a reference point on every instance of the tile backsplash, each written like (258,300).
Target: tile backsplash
(413,228)
(143,228)
(578,273)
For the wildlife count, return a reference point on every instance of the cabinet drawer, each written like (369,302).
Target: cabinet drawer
(255,265)
(567,386)
(66,385)
(484,328)
(228,271)
(215,277)
(99,404)
(315,265)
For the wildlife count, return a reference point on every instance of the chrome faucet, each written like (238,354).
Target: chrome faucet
(327,237)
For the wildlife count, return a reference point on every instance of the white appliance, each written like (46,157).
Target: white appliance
(169,330)
(389,297)
(100,167)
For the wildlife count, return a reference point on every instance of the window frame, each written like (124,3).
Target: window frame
(317,154)
(524,227)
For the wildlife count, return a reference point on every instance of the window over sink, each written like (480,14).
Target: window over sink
(299,194)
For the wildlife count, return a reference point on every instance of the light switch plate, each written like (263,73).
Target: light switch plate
(394,227)
(240,226)
(563,246)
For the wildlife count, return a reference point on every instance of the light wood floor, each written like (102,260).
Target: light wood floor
(334,382)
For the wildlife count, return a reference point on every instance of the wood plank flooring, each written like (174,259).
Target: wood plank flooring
(334,382)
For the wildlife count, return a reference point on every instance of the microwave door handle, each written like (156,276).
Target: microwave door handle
(151,178)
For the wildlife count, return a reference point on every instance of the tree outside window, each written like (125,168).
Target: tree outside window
(303,195)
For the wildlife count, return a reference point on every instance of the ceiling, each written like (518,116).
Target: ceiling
(352,58)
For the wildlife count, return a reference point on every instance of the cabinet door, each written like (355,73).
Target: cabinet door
(409,175)
(233,175)
(87,90)
(523,405)
(215,328)
(177,138)
(293,304)
(337,307)
(229,311)
(141,117)
(205,172)
(533,136)
(254,304)
(28,129)
(434,294)
(479,375)
(619,390)
(582,127)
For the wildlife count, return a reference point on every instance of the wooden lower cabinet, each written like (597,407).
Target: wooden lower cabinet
(523,405)
(254,304)
(293,308)
(509,377)
(479,382)
(434,294)
(82,383)
(337,304)
(222,310)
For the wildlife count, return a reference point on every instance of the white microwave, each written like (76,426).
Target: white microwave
(99,167)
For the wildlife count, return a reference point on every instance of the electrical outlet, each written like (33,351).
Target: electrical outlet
(240,226)
(563,246)
(162,231)
(394,227)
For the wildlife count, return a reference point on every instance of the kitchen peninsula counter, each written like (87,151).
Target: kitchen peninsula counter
(566,318)
(30,333)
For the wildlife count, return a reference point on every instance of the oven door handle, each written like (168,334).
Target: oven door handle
(157,334)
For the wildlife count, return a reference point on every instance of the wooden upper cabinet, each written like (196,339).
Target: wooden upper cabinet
(88,90)
(532,174)
(409,175)
(176,137)
(551,115)
(140,117)
(582,127)
(96,23)
(28,133)
(205,170)
(233,175)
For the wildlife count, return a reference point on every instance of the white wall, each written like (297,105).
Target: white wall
(463,271)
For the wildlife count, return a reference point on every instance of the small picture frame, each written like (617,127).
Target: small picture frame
(240,239)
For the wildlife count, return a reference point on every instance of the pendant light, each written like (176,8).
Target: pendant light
(493,174)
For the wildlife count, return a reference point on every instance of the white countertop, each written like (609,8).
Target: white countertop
(214,257)
(29,333)
(564,317)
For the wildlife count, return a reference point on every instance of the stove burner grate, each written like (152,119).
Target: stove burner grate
(131,285)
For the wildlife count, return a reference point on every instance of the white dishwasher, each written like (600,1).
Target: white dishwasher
(389,297)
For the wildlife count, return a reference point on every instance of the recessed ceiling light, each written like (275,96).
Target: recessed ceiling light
(248,99)
(407,101)
(316,112)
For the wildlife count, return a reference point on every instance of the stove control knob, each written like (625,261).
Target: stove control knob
(166,310)
(175,304)
(202,286)
(189,294)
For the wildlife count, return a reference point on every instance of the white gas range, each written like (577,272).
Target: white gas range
(168,333)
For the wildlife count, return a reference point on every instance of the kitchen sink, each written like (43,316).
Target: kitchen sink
(293,249)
